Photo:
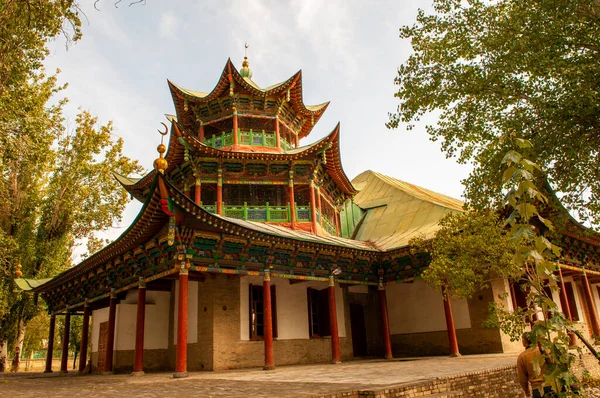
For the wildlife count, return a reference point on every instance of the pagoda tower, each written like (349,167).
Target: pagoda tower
(235,151)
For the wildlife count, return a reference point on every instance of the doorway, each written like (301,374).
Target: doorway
(359,332)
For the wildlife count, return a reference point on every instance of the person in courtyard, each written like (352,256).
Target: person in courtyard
(532,383)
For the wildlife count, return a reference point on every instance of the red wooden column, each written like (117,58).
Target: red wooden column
(590,304)
(138,362)
(450,325)
(235,127)
(292,199)
(220,191)
(320,207)
(277,134)
(84,338)
(182,326)
(50,344)
(296,140)
(385,325)
(110,339)
(333,325)
(567,308)
(313,210)
(64,361)
(197,193)
(201,132)
(268,322)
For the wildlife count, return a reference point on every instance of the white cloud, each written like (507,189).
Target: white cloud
(168,25)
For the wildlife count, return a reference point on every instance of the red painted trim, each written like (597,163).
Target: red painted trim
(277,135)
(313,211)
(164,205)
(138,364)
(50,344)
(64,361)
(84,339)
(182,325)
(453,341)
(567,308)
(292,204)
(385,325)
(591,307)
(235,129)
(197,196)
(333,327)
(110,340)
(220,193)
(268,326)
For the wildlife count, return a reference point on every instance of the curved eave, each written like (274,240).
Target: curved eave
(293,154)
(573,228)
(312,112)
(256,231)
(126,182)
(334,163)
(147,224)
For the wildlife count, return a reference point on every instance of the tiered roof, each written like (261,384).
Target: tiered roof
(308,115)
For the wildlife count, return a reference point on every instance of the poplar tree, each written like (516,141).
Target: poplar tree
(56,183)
(489,68)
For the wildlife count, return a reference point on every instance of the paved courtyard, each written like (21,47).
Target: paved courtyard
(285,381)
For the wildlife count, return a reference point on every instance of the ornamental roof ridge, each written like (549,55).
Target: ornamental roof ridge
(231,74)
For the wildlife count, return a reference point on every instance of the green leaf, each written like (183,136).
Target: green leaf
(511,157)
(526,210)
(523,143)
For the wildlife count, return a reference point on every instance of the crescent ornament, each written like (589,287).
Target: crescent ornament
(166,129)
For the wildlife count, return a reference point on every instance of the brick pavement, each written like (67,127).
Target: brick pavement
(285,381)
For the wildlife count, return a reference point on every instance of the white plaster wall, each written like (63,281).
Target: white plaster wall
(415,308)
(501,295)
(292,307)
(192,334)
(98,316)
(125,326)
(156,324)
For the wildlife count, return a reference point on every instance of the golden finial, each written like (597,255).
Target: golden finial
(161,163)
(246,71)
(18,272)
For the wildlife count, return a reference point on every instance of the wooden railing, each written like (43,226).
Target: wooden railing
(246,137)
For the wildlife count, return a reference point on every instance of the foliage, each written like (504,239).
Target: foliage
(534,255)
(489,68)
(56,185)
(37,333)
(467,250)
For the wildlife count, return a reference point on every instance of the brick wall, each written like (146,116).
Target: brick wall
(230,352)
(491,383)
(500,382)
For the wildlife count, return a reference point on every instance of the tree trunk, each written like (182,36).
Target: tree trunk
(75,358)
(18,347)
(29,365)
(3,354)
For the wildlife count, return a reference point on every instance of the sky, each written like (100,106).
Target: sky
(348,51)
